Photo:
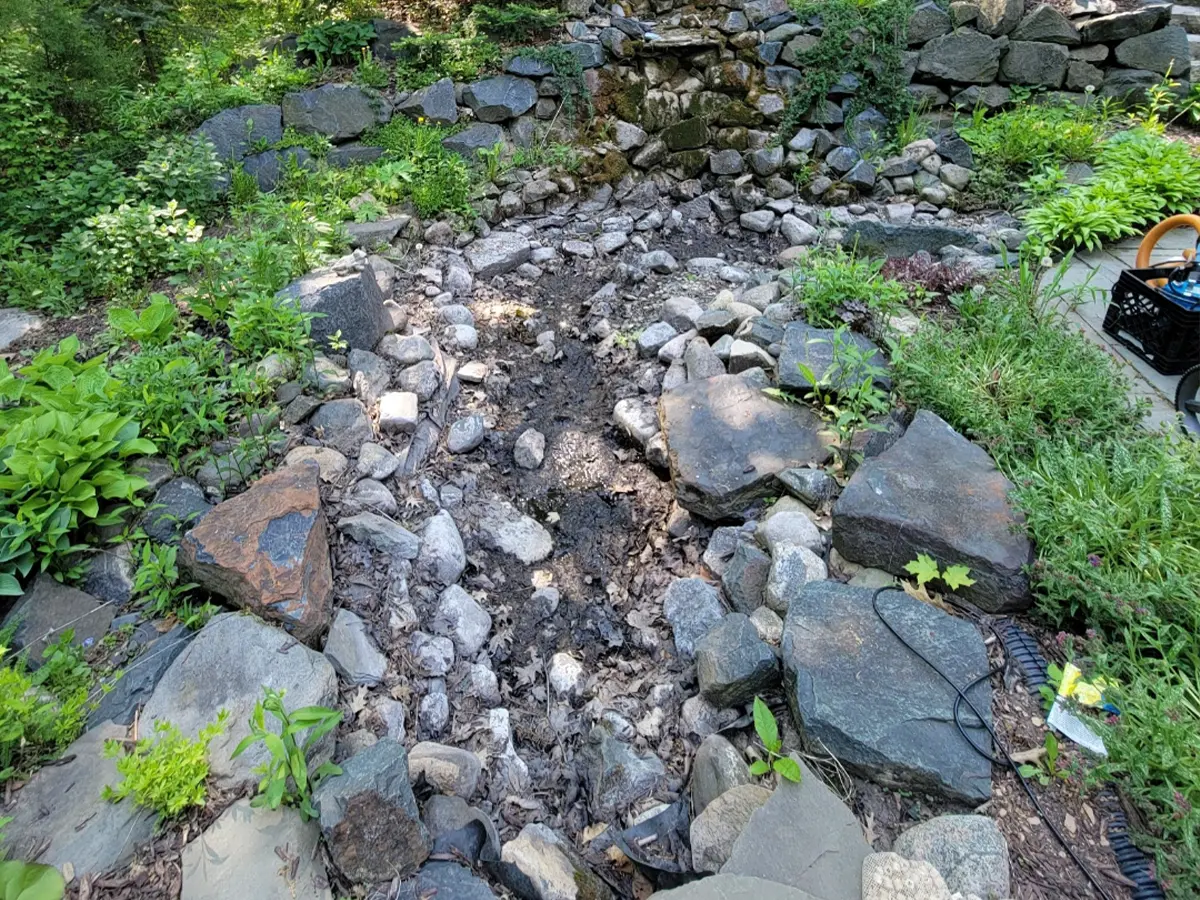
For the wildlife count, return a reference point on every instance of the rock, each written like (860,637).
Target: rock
(529,449)
(660,262)
(442,557)
(227,858)
(343,425)
(332,465)
(745,578)
(63,820)
(469,141)
(447,879)
(225,667)
(812,487)
(433,712)
(692,607)
(715,831)
(760,221)
(879,239)
(725,162)
(927,21)
(233,132)
(500,98)
(459,617)
(540,864)
(717,767)
(497,254)
(792,567)
(628,136)
(964,56)
(902,733)
(370,496)
(352,651)
(937,493)
(448,770)
(796,231)
(369,817)
(266,167)
(681,313)
(352,154)
(399,411)
(617,776)
(701,361)
(1162,51)
(815,348)
(422,379)
(804,837)
(47,608)
(733,665)
(373,234)
(1028,62)
(882,872)
(735,887)
(15,324)
(407,350)
(636,420)
(1129,85)
(1045,23)
(435,103)
(505,529)
(726,441)
(434,655)
(337,111)
(688,134)
(714,323)
(653,337)
(267,551)
(465,434)
(369,374)
(969,852)
(565,675)
(1122,25)
(177,506)
(133,687)
(784,527)
(349,303)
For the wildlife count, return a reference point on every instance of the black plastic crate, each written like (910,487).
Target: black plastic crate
(1152,325)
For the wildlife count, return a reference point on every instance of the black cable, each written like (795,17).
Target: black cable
(1007,760)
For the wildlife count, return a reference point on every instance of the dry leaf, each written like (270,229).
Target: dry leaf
(617,857)
(1086,809)
(642,888)
(594,831)
(359,701)
(68,872)
(869,829)
(1028,756)
(542,579)
(1069,822)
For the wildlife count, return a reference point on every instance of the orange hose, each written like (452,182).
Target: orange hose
(1154,235)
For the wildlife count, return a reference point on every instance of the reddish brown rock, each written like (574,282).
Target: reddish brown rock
(267,551)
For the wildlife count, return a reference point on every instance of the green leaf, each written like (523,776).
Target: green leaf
(30,881)
(788,768)
(759,767)
(765,725)
(957,576)
(923,568)
(1029,771)
(1051,750)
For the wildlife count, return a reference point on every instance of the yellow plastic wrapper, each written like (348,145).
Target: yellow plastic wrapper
(1082,692)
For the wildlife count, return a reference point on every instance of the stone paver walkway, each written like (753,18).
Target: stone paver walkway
(1098,270)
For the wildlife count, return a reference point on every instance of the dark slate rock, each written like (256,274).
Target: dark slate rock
(733,664)
(590,56)
(761,331)
(873,703)
(369,817)
(935,492)
(1122,25)
(686,135)
(617,776)
(233,132)
(691,607)
(480,136)
(715,322)
(768,52)
(140,677)
(351,304)
(371,234)
(868,130)
(448,880)
(812,487)
(842,159)
(268,166)
(528,67)
(338,111)
(861,176)
(176,507)
(387,32)
(500,98)
(109,574)
(435,103)
(47,606)
(965,56)
(344,424)
(745,577)
(1129,85)
(954,149)
(352,154)
(1033,63)
(726,442)
(880,239)
(1165,50)
(1045,23)
(717,766)
(927,21)
(454,827)
(814,347)
(782,78)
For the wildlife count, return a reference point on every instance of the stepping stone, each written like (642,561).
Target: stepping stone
(61,806)
(267,551)
(727,440)
(803,837)
(15,324)
(935,492)
(878,707)
(225,667)
(238,856)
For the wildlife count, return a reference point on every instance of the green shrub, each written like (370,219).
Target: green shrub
(180,169)
(515,21)
(423,59)
(28,280)
(1024,139)
(63,450)
(439,181)
(156,584)
(260,324)
(36,723)
(273,76)
(334,42)
(51,205)
(151,326)
(834,286)
(369,72)
(167,773)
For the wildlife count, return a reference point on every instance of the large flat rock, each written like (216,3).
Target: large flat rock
(735,887)
(255,853)
(815,348)
(806,838)
(226,666)
(61,807)
(935,492)
(727,440)
(47,609)
(881,239)
(874,704)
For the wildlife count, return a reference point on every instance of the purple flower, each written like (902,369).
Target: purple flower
(87,642)
(1094,560)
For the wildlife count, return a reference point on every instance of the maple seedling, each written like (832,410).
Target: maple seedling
(768,734)
(925,569)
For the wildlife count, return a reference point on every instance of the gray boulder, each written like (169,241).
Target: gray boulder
(500,98)
(935,492)
(267,167)
(997,17)
(343,425)
(745,577)
(726,442)
(459,617)
(350,303)
(692,606)
(715,831)
(815,348)
(964,56)
(442,557)
(225,667)
(369,817)
(617,776)
(1162,51)
(812,487)
(969,852)
(380,534)
(352,651)
(450,770)
(590,56)
(541,864)
(337,111)
(504,528)
(136,684)
(46,608)
(448,880)
(733,665)
(900,731)
(736,887)
(879,239)
(469,141)
(1122,25)
(927,21)
(371,234)
(232,132)
(1029,62)
(1130,85)
(15,324)
(435,103)
(1046,23)
(497,254)
(717,767)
